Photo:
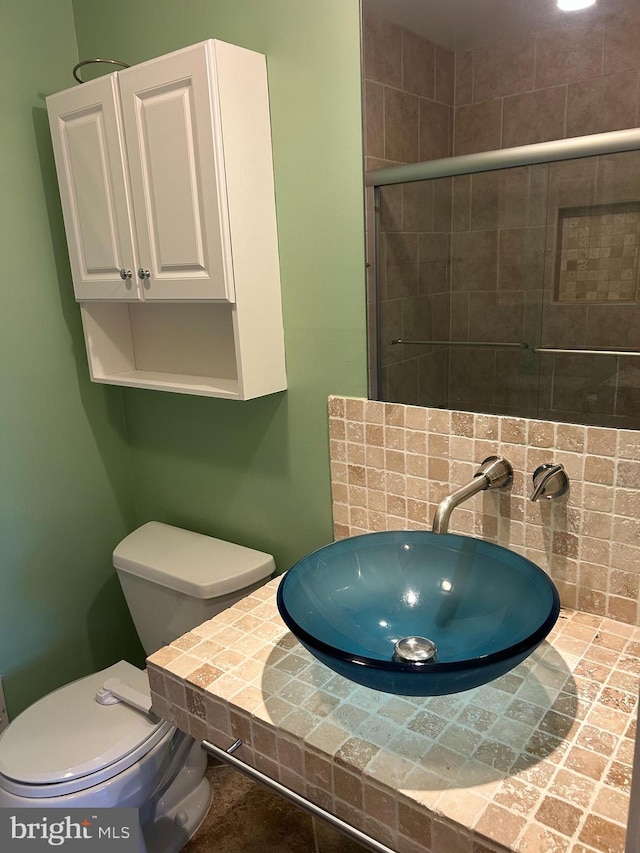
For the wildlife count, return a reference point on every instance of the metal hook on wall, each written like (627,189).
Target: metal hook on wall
(92,61)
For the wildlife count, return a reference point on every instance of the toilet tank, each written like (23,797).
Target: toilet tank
(174,579)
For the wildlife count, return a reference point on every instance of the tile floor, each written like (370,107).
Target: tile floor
(247,818)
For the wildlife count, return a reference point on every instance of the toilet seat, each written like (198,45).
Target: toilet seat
(75,742)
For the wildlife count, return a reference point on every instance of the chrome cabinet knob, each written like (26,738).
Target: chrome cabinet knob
(142,273)
(549,481)
(125,274)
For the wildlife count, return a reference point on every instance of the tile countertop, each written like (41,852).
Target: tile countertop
(538,761)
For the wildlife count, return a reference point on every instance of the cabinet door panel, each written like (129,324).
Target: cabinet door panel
(177,176)
(88,147)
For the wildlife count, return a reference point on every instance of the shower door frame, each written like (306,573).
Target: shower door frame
(574,148)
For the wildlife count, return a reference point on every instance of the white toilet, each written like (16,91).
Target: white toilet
(70,750)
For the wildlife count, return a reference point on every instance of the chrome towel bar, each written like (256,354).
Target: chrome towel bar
(460,343)
(84,62)
(228,757)
(576,351)
(510,345)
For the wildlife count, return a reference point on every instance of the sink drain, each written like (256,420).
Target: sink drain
(415,650)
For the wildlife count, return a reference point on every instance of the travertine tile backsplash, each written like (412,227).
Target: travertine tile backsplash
(391,464)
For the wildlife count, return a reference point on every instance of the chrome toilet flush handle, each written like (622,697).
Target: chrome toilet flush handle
(549,481)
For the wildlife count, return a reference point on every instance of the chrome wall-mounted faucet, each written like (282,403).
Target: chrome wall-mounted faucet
(549,481)
(494,473)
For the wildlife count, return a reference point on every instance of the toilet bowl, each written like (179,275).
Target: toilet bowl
(70,750)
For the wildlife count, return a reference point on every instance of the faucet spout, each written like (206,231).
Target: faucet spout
(448,504)
(494,473)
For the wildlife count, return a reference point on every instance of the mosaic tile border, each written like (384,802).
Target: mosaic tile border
(391,464)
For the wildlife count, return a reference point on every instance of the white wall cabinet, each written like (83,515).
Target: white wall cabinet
(166,181)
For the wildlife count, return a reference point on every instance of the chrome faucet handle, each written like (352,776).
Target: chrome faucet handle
(549,481)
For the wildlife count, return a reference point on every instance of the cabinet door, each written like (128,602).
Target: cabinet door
(172,131)
(89,152)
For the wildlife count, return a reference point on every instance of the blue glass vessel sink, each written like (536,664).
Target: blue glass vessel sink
(418,613)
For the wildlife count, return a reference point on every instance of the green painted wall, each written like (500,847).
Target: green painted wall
(74,454)
(258,472)
(65,479)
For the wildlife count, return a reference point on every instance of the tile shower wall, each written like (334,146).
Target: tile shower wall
(488,245)
(391,464)
(576,313)
(563,81)
(408,96)
(498,257)
(549,255)
(568,80)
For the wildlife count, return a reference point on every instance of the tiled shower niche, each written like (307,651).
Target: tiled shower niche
(597,253)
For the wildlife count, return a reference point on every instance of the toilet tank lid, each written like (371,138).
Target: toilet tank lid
(192,563)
